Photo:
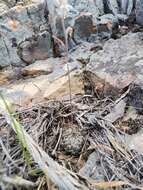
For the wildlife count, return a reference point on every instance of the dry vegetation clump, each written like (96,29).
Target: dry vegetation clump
(87,127)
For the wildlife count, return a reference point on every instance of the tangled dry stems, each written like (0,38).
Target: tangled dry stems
(45,122)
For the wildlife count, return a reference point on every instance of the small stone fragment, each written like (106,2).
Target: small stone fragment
(72,140)
(93,169)
(37,68)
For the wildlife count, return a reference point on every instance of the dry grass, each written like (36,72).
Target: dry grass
(121,167)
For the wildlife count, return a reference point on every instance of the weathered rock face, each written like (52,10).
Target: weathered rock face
(20,27)
(37,68)
(119,63)
(139,12)
(25,35)
(3,7)
(6,4)
(45,79)
(83,27)
(93,19)
(96,8)
(38,47)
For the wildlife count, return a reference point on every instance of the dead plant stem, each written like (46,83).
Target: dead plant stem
(67,57)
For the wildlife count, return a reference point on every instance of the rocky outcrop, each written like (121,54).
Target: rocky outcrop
(108,67)
(25,35)
(118,64)
(3,7)
(139,12)
(22,38)
(43,80)
(6,4)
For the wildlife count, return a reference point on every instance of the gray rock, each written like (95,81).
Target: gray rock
(8,3)
(88,21)
(100,5)
(106,24)
(83,27)
(86,30)
(68,21)
(111,6)
(90,6)
(3,8)
(130,7)
(72,140)
(93,169)
(139,12)
(16,25)
(37,68)
(94,8)
(124,4)
(38,47)
(123,7)
(122,17)
(119,63)
(82,52)
(4,54)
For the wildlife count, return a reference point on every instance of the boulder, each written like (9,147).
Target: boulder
(118,64)
(37,68)
(18,25)
(4,77)
(123,7)
(83,27)
(37,47)
(85,7)
(106,25)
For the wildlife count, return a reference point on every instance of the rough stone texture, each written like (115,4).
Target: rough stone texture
(3,7)
(86,30)
(139,12)
(59,89)
(83,27)
(83,52)
(106,25)
(93,169)
(6,4)
(72,140)
(85,7)
(25,36)
(37,68)
(119,63)
(96,8)
(38,47)
(38,88)
(17,25)
(6,76)
(111,6)
(123,7)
